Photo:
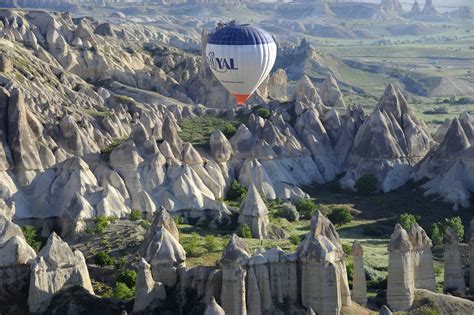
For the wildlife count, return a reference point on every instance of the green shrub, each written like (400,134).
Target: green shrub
(438,271)
(101,223)
(408,219)
(31,236)
(456,224)
(438,229)
(295,239)
(367,184)
(289,212)
(211,243)
(340,216)
(347,249)
(103,258)
(198,130)
(145,224)
(436,234)
(191,244)
(119,264)
(123,292)
(264,113)
(229,130)
(306,207)
(245,231)
(350,272)
(129,277)
(135,215)
(236,191)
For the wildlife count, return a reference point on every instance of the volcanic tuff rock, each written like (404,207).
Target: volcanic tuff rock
(147,290)
(213,308)
(277,85)
(359,282)
(400,282)
(330,92)
(391,6)
(55,266)
(429,9)
(453,273)
(415,9)
(162,250)
(13,246)
(449,166)
(15,259)
(389,143)
(233,262)
(423,268)
(323,269)
(254,213)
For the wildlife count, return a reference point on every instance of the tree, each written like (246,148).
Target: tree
(306,207)
(31,236)
(265,113)
(103,258)
(437,229)
(123,292)
(129,277)
(135,215)
(289,212)
(367,184)
(236,191)
(408,219)
(245,231)
(340,216)
(436,234)
(456,224)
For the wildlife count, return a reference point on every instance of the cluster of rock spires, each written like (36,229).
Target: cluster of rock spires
(394,7)
(37,277)
(411,265)
(56,141)
(312,279)
(249,283)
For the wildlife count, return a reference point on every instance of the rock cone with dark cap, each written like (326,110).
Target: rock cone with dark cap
(254,213)
(234,263)
(400,283)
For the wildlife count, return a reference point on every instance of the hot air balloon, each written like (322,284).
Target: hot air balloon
(241,57)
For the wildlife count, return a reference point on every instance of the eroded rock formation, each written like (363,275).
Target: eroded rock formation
(16,257)
(359,282)
(254,213)
(233,262)
(389,143)
(330,92)
(162,250)
(56,266)
(453,273)
(400,282)
(423,268)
